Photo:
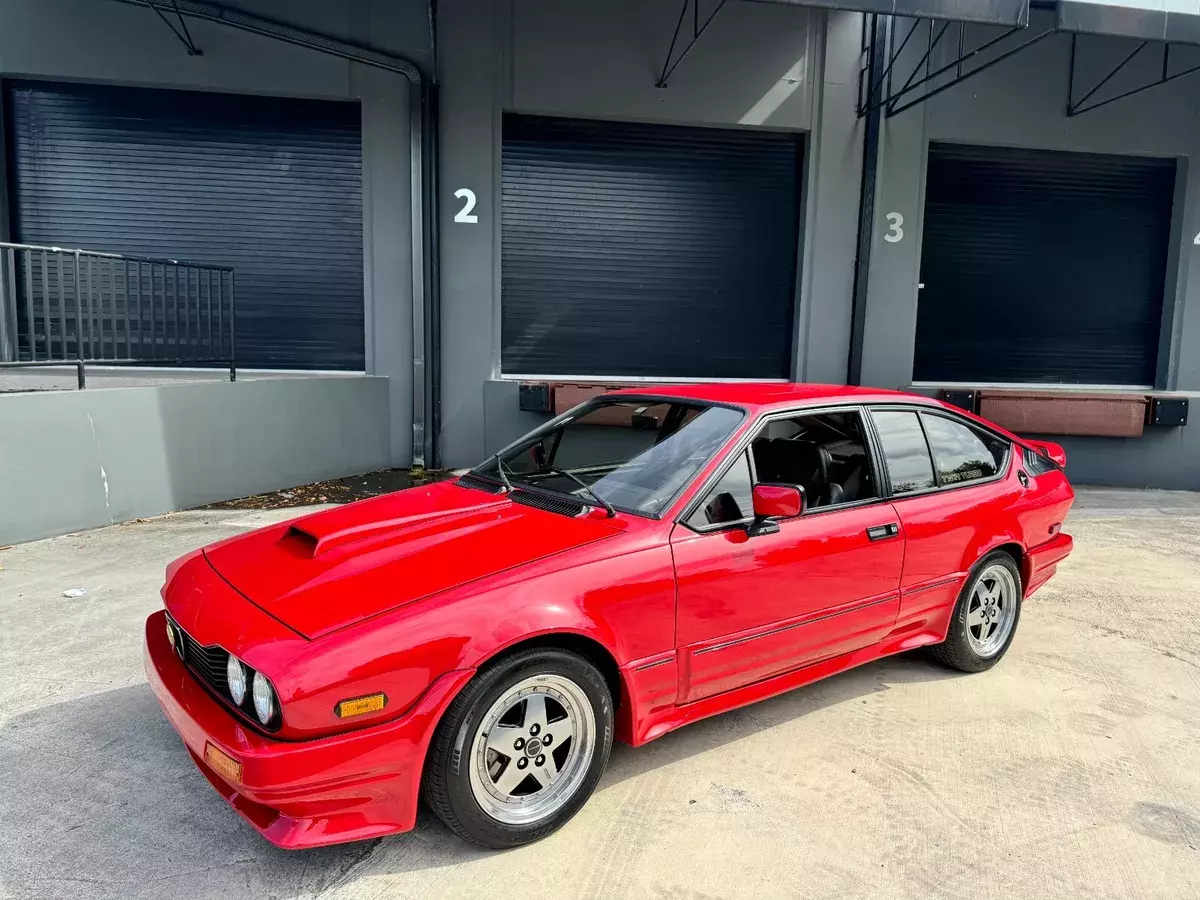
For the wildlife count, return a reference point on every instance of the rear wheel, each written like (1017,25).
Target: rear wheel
(985,617)
(521,749)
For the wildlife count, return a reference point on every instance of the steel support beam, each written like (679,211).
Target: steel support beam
(1080,106)
(671,63)
(185,36)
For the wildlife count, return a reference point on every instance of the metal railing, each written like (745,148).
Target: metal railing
(70,307)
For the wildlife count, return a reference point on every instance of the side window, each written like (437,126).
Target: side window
(729,500)
(960,452)
(904,450)
(824,453)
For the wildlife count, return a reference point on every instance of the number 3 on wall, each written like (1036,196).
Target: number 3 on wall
(895,228)
(465,214)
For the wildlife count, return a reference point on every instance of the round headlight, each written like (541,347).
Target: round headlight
(235,673)
(264,698)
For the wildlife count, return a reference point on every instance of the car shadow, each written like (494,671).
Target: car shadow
(99,799)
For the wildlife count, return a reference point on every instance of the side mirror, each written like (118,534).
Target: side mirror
(771,502)
(1052,450)
(538,453)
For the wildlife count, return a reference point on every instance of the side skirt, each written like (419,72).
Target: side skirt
(668,719)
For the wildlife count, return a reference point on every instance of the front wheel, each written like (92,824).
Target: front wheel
(985,617)
(521,749)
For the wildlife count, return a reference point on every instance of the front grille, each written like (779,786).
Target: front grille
(561,505)
(207,663)
(479,484)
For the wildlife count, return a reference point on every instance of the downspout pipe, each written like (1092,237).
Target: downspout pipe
(422,157)
(866,197)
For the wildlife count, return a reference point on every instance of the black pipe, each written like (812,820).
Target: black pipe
(866,197)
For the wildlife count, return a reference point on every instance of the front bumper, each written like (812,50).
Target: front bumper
(300,794)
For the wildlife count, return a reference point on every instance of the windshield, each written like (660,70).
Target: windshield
(634,454)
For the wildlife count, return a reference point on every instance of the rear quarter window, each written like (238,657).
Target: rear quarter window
(961,453)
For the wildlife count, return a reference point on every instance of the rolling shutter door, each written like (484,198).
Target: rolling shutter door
(270,186)
(1042,266)
(647,250)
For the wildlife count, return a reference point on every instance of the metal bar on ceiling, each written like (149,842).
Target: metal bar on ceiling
(887,70)
(937,73)
(185,37)
(1072,105)
(1078,107)
(895,110)
(697,31)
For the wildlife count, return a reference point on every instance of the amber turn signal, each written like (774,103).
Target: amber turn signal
(360,705)
(222,763)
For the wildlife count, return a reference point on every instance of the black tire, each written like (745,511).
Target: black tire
(957,650)
(446,785)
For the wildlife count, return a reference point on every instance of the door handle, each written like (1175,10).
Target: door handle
(883,532)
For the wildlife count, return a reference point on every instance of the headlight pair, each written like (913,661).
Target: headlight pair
(237,673)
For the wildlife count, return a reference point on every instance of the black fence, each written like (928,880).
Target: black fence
(70,307)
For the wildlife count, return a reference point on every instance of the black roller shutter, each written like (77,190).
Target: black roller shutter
(270,186)
(647,250)
(1042,266)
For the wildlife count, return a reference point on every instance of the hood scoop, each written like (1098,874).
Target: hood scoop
(325,531)
(335,568)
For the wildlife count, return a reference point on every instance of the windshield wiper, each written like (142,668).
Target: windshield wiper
(503,475)
(608,507)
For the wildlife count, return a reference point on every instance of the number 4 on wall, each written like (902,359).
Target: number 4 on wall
(1197,240)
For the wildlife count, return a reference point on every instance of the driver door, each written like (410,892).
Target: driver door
(749,608)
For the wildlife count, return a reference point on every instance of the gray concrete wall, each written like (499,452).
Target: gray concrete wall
(81,459)
(758,66)
(1166,458)
(1021,103)
(114,43)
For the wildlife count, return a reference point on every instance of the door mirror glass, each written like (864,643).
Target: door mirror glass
(778,501)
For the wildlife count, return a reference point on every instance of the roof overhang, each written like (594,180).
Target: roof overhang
(1152,20)
(1149,20)
(1013,13)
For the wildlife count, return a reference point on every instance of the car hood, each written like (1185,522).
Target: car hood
(335,568)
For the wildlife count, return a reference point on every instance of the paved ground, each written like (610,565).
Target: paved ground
(1070,770)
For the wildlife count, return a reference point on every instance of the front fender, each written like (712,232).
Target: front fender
(624,604)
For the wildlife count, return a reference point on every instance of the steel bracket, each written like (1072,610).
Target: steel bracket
(1080,106)
(185,36)
(698,28)
(897,101)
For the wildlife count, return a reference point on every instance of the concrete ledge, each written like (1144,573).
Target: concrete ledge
(72,460)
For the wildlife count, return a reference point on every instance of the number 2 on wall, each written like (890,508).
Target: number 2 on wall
(895,228)
(465,215)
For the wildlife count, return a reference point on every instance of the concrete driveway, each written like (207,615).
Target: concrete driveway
(1072,769)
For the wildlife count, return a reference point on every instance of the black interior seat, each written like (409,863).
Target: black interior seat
(852,480)
(803,463)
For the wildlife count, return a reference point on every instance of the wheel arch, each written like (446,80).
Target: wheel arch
(1017,552)
(586,645)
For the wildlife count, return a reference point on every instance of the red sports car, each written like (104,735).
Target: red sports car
(640,562)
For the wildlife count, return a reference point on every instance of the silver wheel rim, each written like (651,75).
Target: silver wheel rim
(992,610)
(532,750)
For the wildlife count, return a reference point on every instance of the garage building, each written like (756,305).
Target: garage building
(445,202)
